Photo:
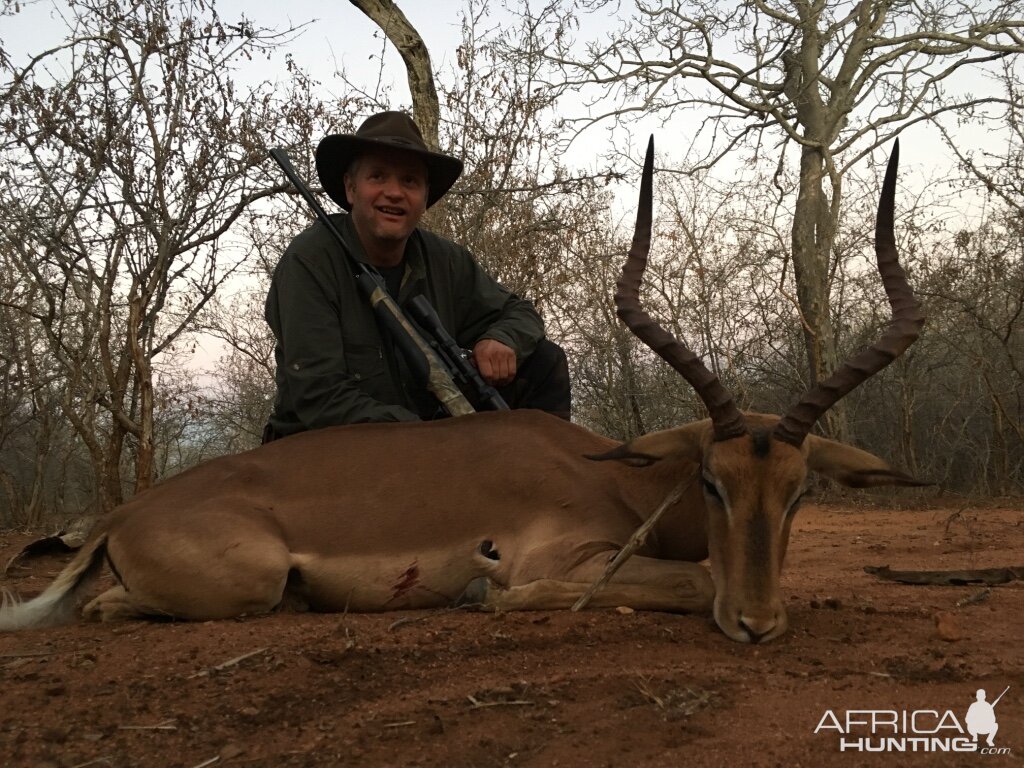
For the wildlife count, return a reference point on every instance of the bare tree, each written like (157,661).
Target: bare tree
(998,163)
(237,406)
(976,287)
(125,174)
(835,79)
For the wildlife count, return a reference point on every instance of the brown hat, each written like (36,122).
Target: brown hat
(386,130)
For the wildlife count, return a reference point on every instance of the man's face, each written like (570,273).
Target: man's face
(388,193)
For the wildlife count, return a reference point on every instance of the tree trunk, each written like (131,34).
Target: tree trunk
(908,453)
(633,412)
(11,516)
(813,235)
(144,382)
(33,512)
(111,491)
(403,35)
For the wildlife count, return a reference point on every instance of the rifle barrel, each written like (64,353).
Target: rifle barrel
(293,176)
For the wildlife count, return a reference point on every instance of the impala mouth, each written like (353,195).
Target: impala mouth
(756,631)
(748,630)
(753,623)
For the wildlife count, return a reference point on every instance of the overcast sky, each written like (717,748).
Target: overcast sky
(337,35)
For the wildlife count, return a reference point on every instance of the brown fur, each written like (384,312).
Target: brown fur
(507,505)
(759,480)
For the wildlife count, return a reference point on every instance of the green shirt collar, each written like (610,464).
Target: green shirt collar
(415,254)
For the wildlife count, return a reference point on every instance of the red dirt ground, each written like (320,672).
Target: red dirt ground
(542,689)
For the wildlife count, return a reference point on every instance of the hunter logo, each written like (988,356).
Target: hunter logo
(919,730)
(981,717)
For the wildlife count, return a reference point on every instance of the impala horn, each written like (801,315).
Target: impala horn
(902,331)
(725,416)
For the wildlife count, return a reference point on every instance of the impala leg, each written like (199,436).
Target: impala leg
(642,583)
(112,605)
(235,567)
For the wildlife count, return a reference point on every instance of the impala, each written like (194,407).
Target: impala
(514,510)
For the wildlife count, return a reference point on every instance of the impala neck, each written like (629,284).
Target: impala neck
(681,533)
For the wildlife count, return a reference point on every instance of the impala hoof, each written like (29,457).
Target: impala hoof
(475,594)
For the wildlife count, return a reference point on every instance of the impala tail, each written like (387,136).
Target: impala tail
(58,602)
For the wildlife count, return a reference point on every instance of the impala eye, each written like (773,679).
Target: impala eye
(711,488)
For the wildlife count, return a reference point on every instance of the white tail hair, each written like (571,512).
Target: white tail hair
(57,604)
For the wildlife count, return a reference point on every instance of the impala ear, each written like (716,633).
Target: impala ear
(685,442)
(852,466)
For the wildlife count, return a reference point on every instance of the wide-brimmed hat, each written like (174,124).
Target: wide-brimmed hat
(386,130)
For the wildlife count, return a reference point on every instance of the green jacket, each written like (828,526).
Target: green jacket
(335,366)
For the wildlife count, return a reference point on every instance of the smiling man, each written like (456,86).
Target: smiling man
(334,365)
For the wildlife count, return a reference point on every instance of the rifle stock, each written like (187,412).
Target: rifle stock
(425,316)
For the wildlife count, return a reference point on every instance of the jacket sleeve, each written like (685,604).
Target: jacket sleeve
(303,312)
(488,310)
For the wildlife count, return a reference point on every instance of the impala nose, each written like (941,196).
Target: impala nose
(757,628)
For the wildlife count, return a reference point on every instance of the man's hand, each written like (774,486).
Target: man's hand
(495,361)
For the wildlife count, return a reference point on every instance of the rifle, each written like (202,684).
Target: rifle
(438,361)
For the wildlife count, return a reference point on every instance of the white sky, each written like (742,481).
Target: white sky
(340,32)
(339,36)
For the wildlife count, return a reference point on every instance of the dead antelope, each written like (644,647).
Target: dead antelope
(516,510)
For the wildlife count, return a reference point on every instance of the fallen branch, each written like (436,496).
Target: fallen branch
(477,704)
(978,597)
(96,761)
(405,620)
(59,543)
(635,542)
(228,663)
(948,578)
(166,725)
(33,654)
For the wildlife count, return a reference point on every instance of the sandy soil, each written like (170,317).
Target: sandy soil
(609,688)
